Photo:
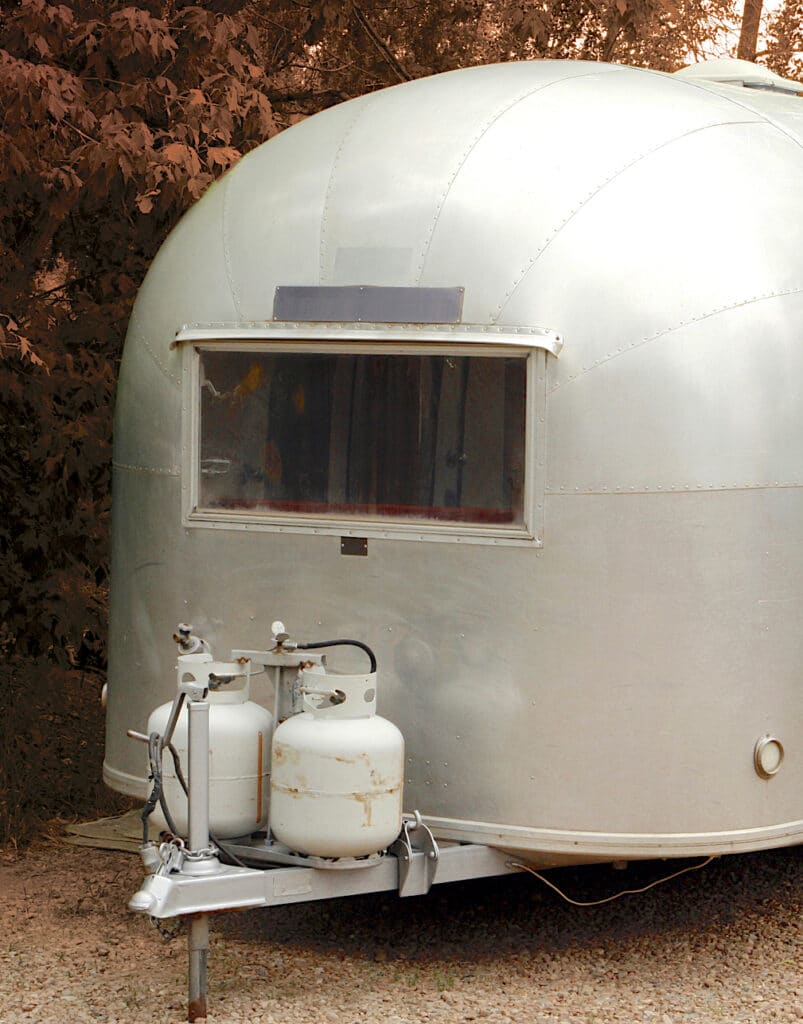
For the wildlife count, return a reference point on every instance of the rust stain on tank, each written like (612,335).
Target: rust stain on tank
(353,759)
(366,799)
(282,754)
(291,791)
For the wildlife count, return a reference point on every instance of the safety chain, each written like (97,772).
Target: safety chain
(210,851)
(168,934)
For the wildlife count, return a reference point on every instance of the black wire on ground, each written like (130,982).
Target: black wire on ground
(341,643)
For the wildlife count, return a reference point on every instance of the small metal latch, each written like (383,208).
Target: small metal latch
(172,856)
(424,854)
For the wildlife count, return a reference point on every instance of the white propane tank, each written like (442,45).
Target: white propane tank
(337,771)
(239,757)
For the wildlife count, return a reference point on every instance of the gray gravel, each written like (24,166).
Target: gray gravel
(724,944)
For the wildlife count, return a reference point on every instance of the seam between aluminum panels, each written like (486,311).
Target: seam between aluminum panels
(633,844)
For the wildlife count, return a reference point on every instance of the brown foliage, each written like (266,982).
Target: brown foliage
(116,118)
(785,52)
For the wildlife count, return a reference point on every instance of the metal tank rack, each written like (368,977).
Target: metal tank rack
(186,879)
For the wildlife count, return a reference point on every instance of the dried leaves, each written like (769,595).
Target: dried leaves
(116,117)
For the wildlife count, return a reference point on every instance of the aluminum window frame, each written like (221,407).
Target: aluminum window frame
(331,341)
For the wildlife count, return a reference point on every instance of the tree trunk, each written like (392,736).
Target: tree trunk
(748,37)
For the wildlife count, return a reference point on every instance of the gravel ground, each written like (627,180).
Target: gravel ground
(721,944)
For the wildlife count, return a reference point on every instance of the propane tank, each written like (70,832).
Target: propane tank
(239,745)
(337,770)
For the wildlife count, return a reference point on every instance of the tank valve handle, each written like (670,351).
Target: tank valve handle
(215,681)
(335,696)
(280,635)
(187,642)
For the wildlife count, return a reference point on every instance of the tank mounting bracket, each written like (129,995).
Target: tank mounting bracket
(416,874)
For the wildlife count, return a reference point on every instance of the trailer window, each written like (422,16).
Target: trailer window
(403,436)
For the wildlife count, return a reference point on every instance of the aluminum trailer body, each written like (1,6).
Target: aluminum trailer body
(589,651)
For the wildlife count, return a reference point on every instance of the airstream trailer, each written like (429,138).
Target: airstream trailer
(497,373)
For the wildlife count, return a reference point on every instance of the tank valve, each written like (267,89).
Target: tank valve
(187,642)
(280,635)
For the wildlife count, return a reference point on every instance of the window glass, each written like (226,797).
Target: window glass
(413,437)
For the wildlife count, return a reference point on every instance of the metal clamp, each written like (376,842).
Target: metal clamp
(418,857)
(172,856)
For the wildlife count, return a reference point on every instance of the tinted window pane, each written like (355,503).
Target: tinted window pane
(427,437)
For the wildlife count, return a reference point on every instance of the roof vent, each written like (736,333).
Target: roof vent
(740,72)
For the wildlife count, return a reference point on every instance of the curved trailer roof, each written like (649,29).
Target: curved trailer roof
(497,179)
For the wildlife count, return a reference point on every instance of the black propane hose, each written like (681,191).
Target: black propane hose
(157,795)
(171,822)
(341,643)
(155,762)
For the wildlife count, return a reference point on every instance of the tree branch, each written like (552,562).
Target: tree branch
(381,47)
(748,36)
(83,135)
(611,36)
(60,287)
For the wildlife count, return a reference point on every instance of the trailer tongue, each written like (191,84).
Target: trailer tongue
(336,785)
